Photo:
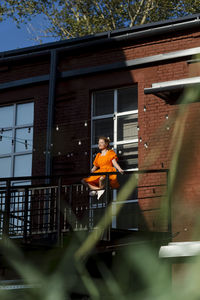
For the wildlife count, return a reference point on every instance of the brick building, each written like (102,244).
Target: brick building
(57,98)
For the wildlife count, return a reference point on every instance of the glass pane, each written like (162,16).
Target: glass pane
(6,116)
(128,156)
(103,103)
(5,142)
(122,181)
(23,165)
(5,167)
(128,217)
(127,127)
(24,139)
(103,127)
(25,113)
(127,99)
(94,153)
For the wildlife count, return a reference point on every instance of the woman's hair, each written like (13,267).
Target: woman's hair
(106,140)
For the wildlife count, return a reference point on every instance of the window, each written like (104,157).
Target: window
(115,115)
(16,139)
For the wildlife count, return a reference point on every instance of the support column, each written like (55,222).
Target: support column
(51,101)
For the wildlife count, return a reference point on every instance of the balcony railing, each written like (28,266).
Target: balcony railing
(34,208)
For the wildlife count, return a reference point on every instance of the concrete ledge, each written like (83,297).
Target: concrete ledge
(180,249)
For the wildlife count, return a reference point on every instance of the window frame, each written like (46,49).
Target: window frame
(14,129)
(115,116)
(115,143)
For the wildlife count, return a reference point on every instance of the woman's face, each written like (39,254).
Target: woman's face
(102,145)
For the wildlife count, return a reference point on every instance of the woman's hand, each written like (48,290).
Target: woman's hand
(121,171)
(117,166)
(94,169)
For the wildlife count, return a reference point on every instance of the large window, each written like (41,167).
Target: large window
(115,115)
(16,139)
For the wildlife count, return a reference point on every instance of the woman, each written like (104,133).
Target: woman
(106,161)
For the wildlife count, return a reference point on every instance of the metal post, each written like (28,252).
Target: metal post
(6,218)
(51,100)
(169,199)
(70,221)
(58,212)
(50,119)
(107,197)
(26,214)
(169,205)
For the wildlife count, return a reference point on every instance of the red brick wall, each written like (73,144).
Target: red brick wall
(22,69)
(73,106)
(129,50)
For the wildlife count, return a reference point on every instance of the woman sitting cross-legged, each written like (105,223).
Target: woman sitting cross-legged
(106,161)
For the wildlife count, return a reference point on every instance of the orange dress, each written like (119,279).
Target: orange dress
(104,163)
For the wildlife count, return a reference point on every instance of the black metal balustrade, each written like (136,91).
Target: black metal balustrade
(39,207)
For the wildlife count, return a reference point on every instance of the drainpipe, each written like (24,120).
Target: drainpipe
(50,119)
(51,101)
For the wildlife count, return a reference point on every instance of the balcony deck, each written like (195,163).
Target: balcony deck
(43,215)
(48,209)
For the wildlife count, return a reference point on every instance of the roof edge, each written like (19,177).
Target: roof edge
(108,36)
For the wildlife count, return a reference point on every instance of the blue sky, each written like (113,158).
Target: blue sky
(12,37)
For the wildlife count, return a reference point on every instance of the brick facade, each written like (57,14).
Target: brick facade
(73,107)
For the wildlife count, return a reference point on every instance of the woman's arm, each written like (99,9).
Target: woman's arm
(94,169)
(117,166)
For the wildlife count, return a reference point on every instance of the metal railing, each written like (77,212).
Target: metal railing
(40,210)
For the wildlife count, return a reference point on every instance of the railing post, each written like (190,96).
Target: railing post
(58,212)
(169,205)
(26,214)
(6,218)
(69,208)
(107,197)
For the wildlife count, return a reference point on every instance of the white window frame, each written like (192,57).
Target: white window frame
(14,128)
(13,154)
(114,144)
(115,116)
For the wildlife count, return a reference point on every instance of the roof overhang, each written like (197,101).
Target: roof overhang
(112,37)
(170,91)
